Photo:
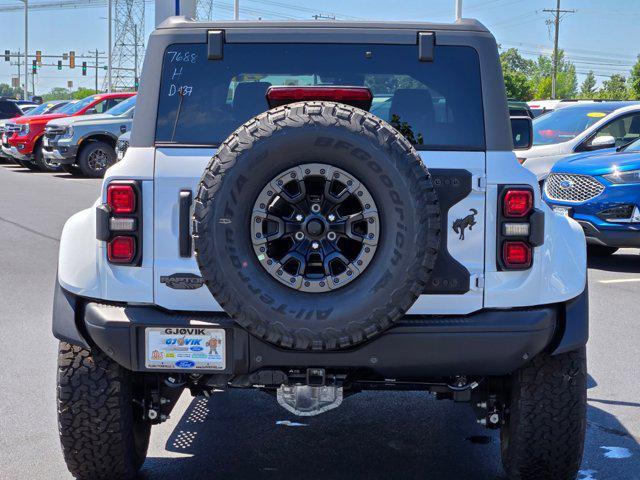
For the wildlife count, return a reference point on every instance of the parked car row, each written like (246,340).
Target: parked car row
(587,158)
(76,136)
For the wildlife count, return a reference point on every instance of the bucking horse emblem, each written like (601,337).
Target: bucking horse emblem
(467,222)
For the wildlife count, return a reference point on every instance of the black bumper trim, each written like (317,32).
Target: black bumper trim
(489,342)
(610,238)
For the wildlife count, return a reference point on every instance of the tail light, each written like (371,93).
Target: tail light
(119,223)
(121,198)
(517,203)
(520,228)
(359,97)
(516,254)
(121,249)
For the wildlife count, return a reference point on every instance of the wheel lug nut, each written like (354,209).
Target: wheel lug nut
(331,217)
(315,245)
(299,236)
(299,218)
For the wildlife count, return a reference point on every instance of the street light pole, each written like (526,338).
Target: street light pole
(109,86)
(26,49)
(236,9)
(458,10)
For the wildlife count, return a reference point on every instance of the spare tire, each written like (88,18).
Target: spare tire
(316,226)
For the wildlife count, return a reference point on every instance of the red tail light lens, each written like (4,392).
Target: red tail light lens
(360,97)
(121,198)
(121,249)
(516,255)
(517,203)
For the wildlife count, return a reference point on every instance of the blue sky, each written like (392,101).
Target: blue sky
(603,35)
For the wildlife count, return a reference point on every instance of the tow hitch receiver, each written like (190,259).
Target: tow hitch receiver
(311,399)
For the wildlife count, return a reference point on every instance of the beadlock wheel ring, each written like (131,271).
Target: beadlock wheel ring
(315,228)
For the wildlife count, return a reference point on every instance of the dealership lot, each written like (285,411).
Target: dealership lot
(374,435)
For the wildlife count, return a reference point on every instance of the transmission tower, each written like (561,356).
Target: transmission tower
(128,43)
(204,9)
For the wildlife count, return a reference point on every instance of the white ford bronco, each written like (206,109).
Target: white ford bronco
(313,210)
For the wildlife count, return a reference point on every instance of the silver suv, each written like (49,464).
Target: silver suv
(86,144)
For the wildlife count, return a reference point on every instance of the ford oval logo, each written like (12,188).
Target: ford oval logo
(185,364)
(566,184)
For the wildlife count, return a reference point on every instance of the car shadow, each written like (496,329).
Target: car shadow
(373,435)
(619,262)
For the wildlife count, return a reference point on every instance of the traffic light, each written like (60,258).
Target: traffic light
(39,57)
(136,83)
(34,67)
(84,69)
(59,64)
(7,55)
(72,59)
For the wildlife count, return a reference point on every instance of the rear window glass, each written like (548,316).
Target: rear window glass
(436,105)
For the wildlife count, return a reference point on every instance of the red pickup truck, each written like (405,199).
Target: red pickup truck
(23,136)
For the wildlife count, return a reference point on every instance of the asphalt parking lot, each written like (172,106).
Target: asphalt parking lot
(245,434)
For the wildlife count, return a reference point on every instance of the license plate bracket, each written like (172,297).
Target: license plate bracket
(185,348)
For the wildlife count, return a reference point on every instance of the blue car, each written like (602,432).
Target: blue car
(601,190)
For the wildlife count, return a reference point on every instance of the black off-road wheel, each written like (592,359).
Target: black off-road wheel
(543,437)
(316,226)
(101,429)
(95,158)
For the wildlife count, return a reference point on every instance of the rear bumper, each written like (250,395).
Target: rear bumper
(610,238)
(490,342)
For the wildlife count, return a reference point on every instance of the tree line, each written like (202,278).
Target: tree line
(527,79)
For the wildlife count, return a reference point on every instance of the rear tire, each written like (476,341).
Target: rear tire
(95,158)
(543,436)
(101,430)
(601,250)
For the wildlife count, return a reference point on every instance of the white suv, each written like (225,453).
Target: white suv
(267,230)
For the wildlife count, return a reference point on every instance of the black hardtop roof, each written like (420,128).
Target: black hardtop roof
(465,24)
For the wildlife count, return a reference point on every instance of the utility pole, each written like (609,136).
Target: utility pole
(236,9)
(19,79)
(458,10)
(109,54)
(26,49)
(96,66)
(135,57)
(557,13)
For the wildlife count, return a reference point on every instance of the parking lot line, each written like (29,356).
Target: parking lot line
(620,280)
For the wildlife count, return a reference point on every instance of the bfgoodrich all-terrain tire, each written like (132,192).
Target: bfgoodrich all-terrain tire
(102,432)
(325,150)
(543,438)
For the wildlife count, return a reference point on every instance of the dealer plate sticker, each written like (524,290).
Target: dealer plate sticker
(187,348)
